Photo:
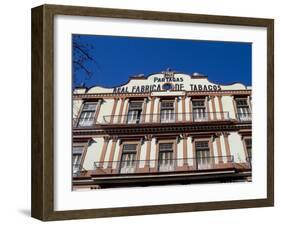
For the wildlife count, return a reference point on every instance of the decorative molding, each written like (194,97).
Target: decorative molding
(106,138)
(185,135)
(168,73)
(114,138)
(179,138)
(153,128)
(148,137)
(225,134)
(88,96)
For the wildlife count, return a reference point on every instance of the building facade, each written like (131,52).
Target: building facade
(165,128)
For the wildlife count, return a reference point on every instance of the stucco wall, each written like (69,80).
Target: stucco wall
(105,110)
(180,152)
(227,106)
(93,153)
(143,154)
(235,144)
(236,147)
(107,153)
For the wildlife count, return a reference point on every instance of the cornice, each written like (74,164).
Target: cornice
(148,94)
(144,130)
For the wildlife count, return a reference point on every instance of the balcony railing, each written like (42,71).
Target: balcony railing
(159,118)
(85,122)
(76,169)
(164,165)
(244,117)
(166,117)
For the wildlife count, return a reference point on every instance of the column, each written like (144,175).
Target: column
(213,107)
(151,109)
(218,142)
(97,110)
(188,103)
(144,110)
(185,162)
(103,152)
(121,110)
(227,147)
(234,107)
(176,109)
(183,108)
(126,103)
(220,107)
(158,109)
(137,165)
(148,150)
(112,151)
(207,106)
(113,110)
(193,153)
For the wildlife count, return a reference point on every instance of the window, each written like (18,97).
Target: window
(76,158)
(199,110)
(203,158)
(134,113)
(248,144)
(167,111)
(128,159)
(243,110)
(87,115)
(166,157)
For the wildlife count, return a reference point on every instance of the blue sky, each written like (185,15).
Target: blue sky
(118,58)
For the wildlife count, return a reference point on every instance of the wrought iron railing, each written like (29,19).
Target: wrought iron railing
(76,169)
(164,165)
(85,122)
(244,117)
(159,118)
(165,117)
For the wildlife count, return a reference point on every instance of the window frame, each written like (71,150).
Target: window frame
(204,107)
(158,151)
(83,147)
(139,110)
(167,114)
(94,114)
(247,106)
(211,157)
(133,165)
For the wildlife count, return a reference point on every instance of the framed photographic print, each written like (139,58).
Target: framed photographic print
(141,112)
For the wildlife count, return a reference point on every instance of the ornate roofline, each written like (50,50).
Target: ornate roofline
(143,77)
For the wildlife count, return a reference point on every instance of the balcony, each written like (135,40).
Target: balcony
(167,117)
(85,122)
(162,166)
(244,117)
(162,118)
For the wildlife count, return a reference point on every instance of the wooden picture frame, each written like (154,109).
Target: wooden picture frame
(43,107)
